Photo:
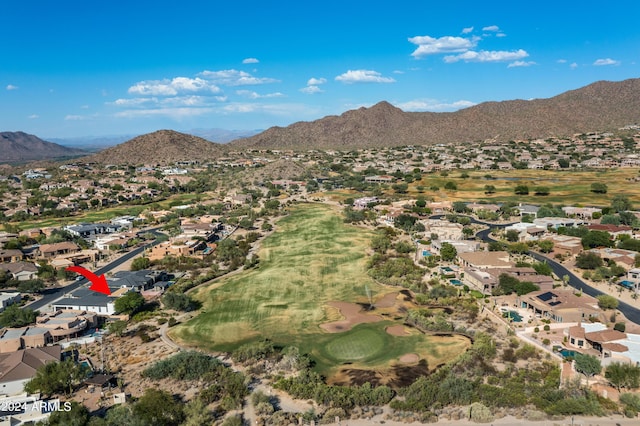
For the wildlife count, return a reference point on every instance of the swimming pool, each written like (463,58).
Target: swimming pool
(513,315)
(627,284)
(566,353)
(455,282)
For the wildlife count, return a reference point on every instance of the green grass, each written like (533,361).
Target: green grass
(313,258)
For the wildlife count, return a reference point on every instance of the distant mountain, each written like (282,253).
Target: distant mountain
(600,106)
(22,147)
(93,143)
(158,148)
(222,135)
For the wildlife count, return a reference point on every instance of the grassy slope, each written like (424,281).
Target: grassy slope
(312,259)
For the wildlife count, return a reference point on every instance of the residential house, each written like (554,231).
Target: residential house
(561,305)
(380,179)
(136,280)
(84,299)
(486,260)
(21,271)
(581,212)
(614,230)
(7,299)
(10,255)
(48,251)
(17,368)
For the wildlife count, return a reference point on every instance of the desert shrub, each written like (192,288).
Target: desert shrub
(189,365)
(479,413)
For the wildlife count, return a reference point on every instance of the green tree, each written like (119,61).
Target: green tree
(541,190)
(521,190)
(623,375)
(117,327)
(177,301)
(588,260)
(599,188)
(159,408)
(595,239)
(129,303)
(54,377)
(196,413)
(621,203)
(13,316)
(78,415)
(451,186)
(512,235)
(588,365)
(489,189)
(545,246)
(140,263)
(606,301)
(448,252)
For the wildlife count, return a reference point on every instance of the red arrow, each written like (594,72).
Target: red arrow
(98,283)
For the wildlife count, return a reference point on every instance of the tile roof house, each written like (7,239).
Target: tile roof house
(17,368)
(561,305)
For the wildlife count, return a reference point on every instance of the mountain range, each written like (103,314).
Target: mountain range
(597,107)
(159,148)
(21,147)
(601,106)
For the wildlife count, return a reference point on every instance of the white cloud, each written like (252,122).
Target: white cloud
(311,90)
(250,61)
(433,105)
(175,113)
(363,76)
(501,35)
(235,78)
(607,61)
(254,95)
(573,66)
(34,116)
(11,87)
(76,117)
(493,28)
(467,30)
(84,107)
(487,56)
(429,45)
(398,72)
(561,61)
(521,64)
(279,110)
(316,81)
(173,87)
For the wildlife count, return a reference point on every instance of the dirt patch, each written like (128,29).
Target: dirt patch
(397,330)
(409,358)
(387,301)
(353,315)
(395,377)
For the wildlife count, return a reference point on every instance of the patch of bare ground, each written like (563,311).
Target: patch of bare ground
(353,315)
(397,330)
(409,358)
(396,376)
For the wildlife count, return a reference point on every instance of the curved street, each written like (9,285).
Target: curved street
(51,295)
(630,312)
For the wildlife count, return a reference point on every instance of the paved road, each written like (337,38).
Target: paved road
(53,294)
(630,312)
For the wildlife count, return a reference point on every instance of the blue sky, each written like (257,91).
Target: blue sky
(77,68)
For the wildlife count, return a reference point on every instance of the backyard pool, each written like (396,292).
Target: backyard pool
(566,353)
(513,315)
(455,282)
(627,284)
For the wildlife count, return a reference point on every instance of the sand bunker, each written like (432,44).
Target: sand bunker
(353,315)
(397,330)
(409,358)
(387,301)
